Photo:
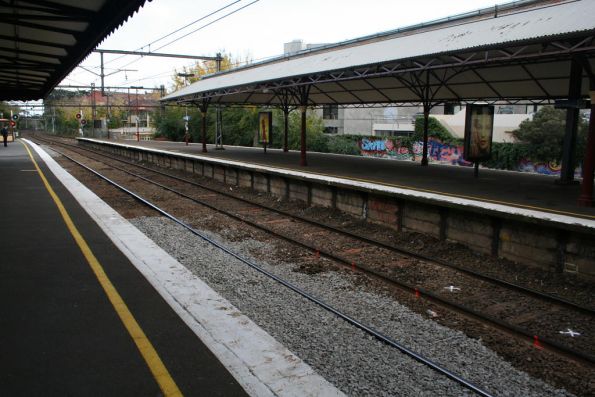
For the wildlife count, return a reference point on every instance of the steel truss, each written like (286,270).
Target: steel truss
(423,77)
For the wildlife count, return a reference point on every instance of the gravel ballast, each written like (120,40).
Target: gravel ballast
(354,361)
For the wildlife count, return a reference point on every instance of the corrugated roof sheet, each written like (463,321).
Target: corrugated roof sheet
(43,41)
(526,26)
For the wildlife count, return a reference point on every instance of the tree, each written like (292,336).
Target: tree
(5,109)
(170,124)
(435,130)
(239,124)
(545,135)
(203,68)
(60,122)
(315,138)
(59,112)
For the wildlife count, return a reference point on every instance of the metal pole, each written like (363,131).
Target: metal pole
(186,133)
(424,159)
(93,110)
(572,113)
(81,122)
(204,130)
(129,116)
(102,75)
(156,54)
(218,120)
(108,115)
(427,107)
(586,197)
(303,161)
(286,119)
(137,118)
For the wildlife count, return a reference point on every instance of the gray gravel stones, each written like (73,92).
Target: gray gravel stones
(352,360)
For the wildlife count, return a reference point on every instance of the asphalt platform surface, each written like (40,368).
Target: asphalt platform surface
(59,333)
(515,189)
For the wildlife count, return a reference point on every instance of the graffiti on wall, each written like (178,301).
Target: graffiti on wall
(438,152)
(549,168)
(442,153)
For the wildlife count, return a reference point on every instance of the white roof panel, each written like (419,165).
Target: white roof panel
(524,26)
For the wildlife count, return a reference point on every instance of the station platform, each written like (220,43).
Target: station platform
(526,218)
(90,306)
(514,189)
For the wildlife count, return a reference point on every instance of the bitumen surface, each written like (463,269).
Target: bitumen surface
(59,332)
(509,188)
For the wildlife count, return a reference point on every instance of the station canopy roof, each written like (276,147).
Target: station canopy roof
(41,41)
(516,52)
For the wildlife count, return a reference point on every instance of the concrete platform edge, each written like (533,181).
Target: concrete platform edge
(261,365)
(325,179)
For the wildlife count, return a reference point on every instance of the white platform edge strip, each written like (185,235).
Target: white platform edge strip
(259,363)
(535,214)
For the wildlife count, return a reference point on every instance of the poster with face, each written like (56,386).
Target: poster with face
(265,123)
(479,124)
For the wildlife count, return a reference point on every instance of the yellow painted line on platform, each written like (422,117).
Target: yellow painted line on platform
(507,203)
(156,366)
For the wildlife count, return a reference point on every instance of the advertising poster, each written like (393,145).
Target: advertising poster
(479,125)
(265,124)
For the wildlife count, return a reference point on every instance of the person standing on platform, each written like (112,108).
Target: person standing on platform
(4,132)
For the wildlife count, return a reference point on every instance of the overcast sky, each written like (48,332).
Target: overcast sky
(257,31)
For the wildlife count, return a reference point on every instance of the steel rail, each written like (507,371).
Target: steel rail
(491,279)
(543,342)
(378,335)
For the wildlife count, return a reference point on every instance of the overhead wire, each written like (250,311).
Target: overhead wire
(171,33)
(196,30)
(177,30)
(208,24)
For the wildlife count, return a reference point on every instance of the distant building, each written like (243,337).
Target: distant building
(298,45)
(506,119)
(377,121)
(137,106)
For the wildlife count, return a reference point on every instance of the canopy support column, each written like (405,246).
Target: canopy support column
(303,161)
(286,127)
(424,158)
(586,197)
(301,93)
(420,85)
(219,120)
(572,113)
(219,130)
(285,99)
(204,106)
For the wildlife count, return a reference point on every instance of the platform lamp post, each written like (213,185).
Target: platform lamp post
(137,115)
(186,76)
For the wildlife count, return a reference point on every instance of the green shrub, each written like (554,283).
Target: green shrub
(435,130)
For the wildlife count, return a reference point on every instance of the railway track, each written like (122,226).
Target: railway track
(542,319)
(371,331)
